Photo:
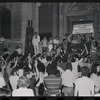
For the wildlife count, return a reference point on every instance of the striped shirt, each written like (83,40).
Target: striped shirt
(52,82)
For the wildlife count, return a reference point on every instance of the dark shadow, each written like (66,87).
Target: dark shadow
(5,22)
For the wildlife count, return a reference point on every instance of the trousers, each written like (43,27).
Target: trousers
(36,49)
(68,91)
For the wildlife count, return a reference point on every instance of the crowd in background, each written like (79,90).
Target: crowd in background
(60,70)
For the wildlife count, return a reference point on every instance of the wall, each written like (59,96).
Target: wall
(20,14)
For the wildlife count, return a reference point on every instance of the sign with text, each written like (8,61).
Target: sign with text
(83,28)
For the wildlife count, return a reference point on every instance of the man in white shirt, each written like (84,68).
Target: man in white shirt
(35,42)
(23,83)
(68,80)
(84,86)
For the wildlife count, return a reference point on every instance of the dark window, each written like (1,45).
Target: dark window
(5,23)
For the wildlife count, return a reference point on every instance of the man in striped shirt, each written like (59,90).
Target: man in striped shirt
(52,82)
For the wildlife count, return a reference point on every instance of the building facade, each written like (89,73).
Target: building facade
(14,20)
(71,13)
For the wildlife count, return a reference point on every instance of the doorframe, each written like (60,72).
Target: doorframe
(73,18)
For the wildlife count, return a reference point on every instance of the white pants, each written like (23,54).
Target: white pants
(36,49)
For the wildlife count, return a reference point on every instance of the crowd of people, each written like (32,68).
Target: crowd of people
(63,68)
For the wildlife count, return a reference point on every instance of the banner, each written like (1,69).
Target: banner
(83,28)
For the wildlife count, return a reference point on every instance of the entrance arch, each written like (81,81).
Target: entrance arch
(5,22)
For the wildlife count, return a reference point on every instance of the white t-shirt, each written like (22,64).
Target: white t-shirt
(84,86)
(35,41)
(2,82)
(13,81)
(68,78)
(23,92)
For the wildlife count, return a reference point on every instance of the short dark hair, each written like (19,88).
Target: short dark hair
(5,50)
(51,69)
(41,66)
(17,47)
(27,70)
(68,66)
(13,71)
(76,56)
(48,58)
(85,71)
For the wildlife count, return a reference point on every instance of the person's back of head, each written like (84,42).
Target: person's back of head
(14,70)
(85,71)
(48,58)
(28,73)
(68,66)
(23,82)
(51,69)
(76,57)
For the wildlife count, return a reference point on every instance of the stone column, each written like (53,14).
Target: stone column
(55,19)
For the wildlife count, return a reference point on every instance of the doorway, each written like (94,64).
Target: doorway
(5,23)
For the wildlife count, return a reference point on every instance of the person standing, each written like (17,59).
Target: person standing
(68,80)
(35,42)
(93,51)
(23,83)
(84,86)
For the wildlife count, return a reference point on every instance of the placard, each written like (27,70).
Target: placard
(83,28)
